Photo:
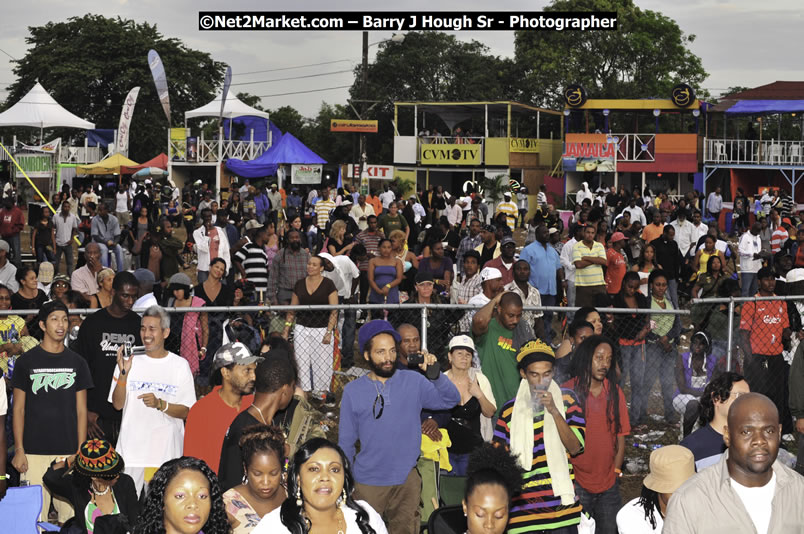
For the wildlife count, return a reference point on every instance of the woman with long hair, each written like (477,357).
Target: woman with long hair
(215,293)
(438,266)
(263,449)
(296,223)
(272,245)
(661,350)
(93,482)
(320,498)
(103,297)
(700,264)
(189,337)
(336,244)
(495,478)
(645,265)
(707,286)
(184,497)
(670,467)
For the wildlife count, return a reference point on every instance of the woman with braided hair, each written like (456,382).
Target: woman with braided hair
(264,451)
(320,499)
(184,497)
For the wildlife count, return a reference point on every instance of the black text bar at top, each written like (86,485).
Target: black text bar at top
(405,21)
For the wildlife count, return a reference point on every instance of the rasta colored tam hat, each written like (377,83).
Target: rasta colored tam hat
(97,459)
(533,351)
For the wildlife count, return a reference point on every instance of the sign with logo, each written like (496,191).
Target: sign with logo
(524,145)
(375,172)
(446,154)
(590,157)
(48,148)
(682,95)
(178,142)
(575,96)
(125,121)
(350,125)
(306,174)
(35,166)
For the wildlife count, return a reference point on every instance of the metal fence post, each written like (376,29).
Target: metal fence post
(423,331)
(731,334)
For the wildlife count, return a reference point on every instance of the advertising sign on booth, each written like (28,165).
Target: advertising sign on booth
(524,145)
(353,125)
(375,172)
(35,166)
(306,174)
(590,157)
(450,154)
(178,141)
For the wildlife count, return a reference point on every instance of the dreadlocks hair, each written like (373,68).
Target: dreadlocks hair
(649,501)
(582,370)
(489,464)
(292,515)
(718,389)
(258,439)
(152,515)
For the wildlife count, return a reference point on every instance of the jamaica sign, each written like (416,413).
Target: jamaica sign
(575,96)
(682,95)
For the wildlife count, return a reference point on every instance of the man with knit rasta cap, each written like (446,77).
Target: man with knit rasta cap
(382,410)
(543,426)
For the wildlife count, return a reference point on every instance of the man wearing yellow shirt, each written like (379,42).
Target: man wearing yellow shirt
(589,257)
(510,210)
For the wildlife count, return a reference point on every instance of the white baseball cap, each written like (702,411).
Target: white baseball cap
(490,273)
(462,342)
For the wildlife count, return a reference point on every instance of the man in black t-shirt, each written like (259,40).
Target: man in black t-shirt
(50,403)
(99,337)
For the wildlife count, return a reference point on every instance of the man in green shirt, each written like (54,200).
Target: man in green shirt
(393,221)
(493,331)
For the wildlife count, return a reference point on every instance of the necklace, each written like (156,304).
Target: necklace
(100,493)
(260,412)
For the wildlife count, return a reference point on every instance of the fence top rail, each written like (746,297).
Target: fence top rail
(726,300)
(327,307)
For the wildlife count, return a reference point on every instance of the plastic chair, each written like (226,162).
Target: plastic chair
(795,153)
(447,520)
(20,509)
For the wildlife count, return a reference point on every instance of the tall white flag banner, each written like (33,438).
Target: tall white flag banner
(125,121)
(227,81)
(160,80)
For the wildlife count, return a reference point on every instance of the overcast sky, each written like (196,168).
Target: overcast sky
(741,42)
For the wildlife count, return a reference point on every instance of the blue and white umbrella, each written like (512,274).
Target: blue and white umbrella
(147,172)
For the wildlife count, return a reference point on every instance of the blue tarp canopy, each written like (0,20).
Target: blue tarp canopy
(288,150)
(244,125)
(762,107)
(100,137)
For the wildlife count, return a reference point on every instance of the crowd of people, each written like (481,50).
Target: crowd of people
(151,421)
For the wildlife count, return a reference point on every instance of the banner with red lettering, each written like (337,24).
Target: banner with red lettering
(125,121)
(590,157)
(375,172)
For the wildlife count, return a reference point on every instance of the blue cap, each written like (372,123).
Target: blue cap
(373,328)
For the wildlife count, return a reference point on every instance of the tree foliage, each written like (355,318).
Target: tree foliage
(643,58)
(90,63)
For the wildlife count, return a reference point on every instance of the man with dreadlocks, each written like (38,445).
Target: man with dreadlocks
(597,469)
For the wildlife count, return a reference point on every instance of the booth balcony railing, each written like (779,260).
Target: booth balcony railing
(635,147)
(771,152)
(214,150)
(80,154)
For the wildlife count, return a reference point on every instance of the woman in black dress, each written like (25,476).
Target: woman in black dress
(214,293)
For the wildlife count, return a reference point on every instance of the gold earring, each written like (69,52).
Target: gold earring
(299,501)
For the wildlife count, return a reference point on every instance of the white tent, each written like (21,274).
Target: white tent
(232,109)
(38,109)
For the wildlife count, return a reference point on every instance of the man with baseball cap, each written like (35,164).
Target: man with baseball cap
(616,265)
(542,426)
(491,285)
(382,410)
(489,248)
(505,261)
(209,418)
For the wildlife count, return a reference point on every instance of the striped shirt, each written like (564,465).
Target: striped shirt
(510,209)
(778,239)
(255,263)
(372,244)
(322,209)
(591,275)
(537,508)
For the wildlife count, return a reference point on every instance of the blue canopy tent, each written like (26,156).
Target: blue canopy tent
(288,150)
(244,125)
(762,107)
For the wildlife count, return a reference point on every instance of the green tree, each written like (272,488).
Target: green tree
(334,147)
(288,119)
(89,64)
(643,58)
(426,66)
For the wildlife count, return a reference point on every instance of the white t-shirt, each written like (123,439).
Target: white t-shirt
(757,502)
(386,198)
(149,437)
(631,519)
(345,271)
(272,523)
(121,205)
